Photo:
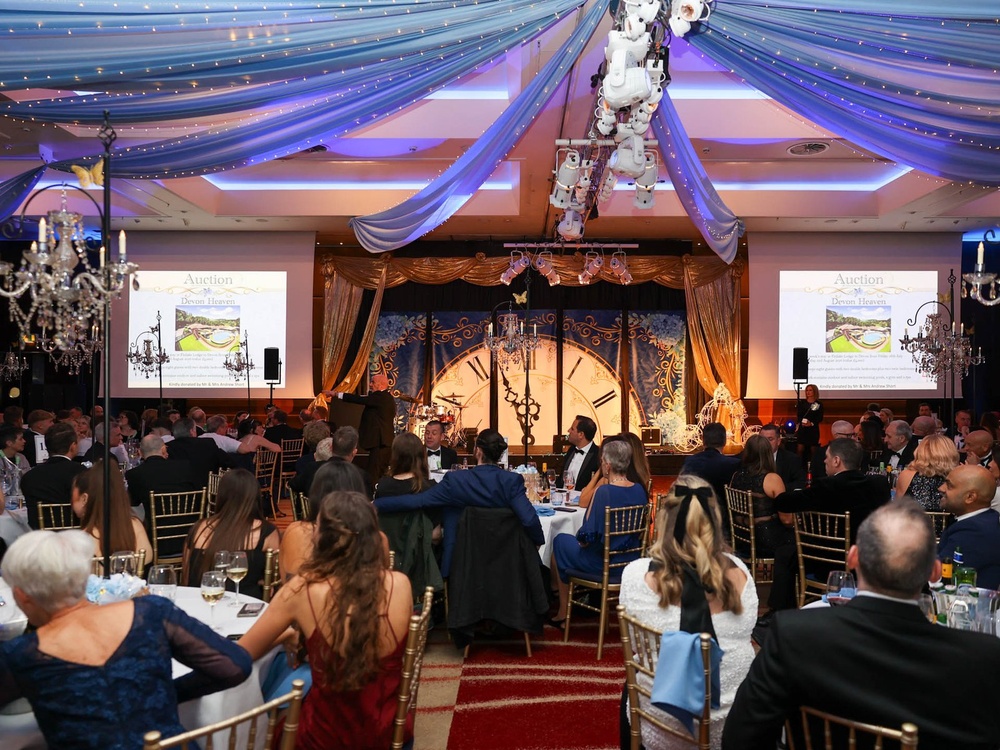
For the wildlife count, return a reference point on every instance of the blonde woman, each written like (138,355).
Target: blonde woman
(690,537)
(935,456)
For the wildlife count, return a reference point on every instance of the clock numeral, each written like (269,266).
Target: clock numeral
(477,367)
(572,371)
(607,397)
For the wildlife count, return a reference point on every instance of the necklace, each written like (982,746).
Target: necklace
(618,480)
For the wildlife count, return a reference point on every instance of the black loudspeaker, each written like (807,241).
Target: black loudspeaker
(272,364)
(800,364)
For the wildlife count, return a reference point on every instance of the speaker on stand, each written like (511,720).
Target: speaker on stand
(800,373)
(272,370)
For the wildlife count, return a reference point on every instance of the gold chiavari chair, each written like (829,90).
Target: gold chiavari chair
(300,505)
(618,523)
(291,451)
(273,741)
(906,735)
(57,516)
(941,520)
(212,491)
(172,514)
(641,650)
(822,538)
(272,573)
(655,504)
(97,564)
(743,534)
(266,465)
(413,659)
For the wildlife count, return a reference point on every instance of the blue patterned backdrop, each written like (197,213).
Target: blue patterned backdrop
(399,351)
(657,341)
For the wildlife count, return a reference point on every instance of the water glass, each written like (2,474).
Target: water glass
(162,581)
(840,588)
(123,562)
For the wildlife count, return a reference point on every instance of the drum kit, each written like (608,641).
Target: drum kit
(449,414)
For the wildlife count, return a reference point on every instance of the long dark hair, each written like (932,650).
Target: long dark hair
(334,475)
(237,508)
(758,458)
(348,555)
(246,427)
(91,481)
(410,456)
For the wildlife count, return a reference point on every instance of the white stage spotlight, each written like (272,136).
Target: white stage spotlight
(619,267)
(629,159)
(645,183)
(683,13)
(592,265)
(543,264)
(607,187)
(571,226)
(567,175)
(518,262)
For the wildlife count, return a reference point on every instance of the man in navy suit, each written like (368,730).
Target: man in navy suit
(582,459)
(876,659)
(711,465)
(484,486)
(52,481)
(968,492)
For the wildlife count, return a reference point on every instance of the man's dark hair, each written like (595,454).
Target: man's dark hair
(60,438)
(770,427)
(713,435)
(215,422)
(923,403)
(62,415)
(848,450)
(183,427)
(345,440)
(279,416)
(873,407)
(492,444)
(163,423)
(169,413)
(893,560)
(586,425)
(8,434)
(436,423)
(12,414)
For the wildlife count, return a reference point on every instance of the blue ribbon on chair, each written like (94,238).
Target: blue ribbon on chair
(679,683)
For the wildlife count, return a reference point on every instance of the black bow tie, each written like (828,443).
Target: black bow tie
(434,453)
(576,450)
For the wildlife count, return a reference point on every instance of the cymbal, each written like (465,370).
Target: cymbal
(451,400)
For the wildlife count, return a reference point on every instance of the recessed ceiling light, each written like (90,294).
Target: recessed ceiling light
(808,148)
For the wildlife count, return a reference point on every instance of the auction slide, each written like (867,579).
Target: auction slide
(852,323)
(204,316)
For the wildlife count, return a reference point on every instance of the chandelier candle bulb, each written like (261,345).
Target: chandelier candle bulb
(102,256)
(979,255)
(121,245)
(41,232)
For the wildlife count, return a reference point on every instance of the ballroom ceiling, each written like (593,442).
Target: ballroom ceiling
(775,170)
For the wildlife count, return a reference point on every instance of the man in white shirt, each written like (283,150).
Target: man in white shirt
(581,460)
(438,456)
(216,428)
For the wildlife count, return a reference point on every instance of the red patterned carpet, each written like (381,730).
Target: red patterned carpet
(561,697)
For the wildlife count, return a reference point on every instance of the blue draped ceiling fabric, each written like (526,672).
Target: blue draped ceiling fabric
(912,80)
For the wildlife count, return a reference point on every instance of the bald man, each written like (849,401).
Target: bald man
(968,492)
(923,426)
(377,427)
(979,452)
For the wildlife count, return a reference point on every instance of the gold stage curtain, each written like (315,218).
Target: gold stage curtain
(711,287)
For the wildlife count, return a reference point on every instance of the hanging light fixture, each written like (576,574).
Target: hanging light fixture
(592,265)
(518,263)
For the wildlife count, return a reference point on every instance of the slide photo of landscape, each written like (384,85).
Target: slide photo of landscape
(203,328)
(859,329)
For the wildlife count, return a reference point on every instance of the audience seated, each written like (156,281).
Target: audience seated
(216,428)
(157,474)
(127,531)
(438,456)
(757,475)
(237,526)
(344,447)
(933,459)
(923,426)
(581,459)
(638,469)
(899,445)
(689,538)
(99,677)
(281,430)
(117,449)
(250,432)
(203,456)
(312,434)
(876,659)
(963,425)
(839,429)
(787,464)
(52,481)
(39,422)
(353,613)
(711,465)
(979,451)
(967,493)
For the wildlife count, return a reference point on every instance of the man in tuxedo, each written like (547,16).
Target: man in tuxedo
(485,486)
(922,427)
(979,452)
(281,430)
(711,465)
(197,415)
(39,422)
(52,481)
(787,464)
(817,467)
(899,445)
(843,489)
(876,659)
(582,460)
(157,474)
(968,492)
(438,456)
(377,423)
(202,456)
(343,447)
(963,425)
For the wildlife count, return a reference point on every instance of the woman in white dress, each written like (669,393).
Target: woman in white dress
(651,592)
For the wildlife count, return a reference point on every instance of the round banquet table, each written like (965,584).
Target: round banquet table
(19,730)
(560,522)
(13,523)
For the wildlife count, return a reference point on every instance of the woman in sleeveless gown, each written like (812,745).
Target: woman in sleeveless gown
(356,669)
(651,592)
(758,475)
(934,458)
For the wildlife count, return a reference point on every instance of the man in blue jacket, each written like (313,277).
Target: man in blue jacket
(968,492)
(485,486)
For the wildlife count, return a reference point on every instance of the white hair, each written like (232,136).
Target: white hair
(50,567)
(324,449)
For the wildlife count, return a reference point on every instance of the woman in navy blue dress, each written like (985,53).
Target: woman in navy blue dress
(584,553)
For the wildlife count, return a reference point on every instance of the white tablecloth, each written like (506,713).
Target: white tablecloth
(20,731)
(560,522)
(13,523)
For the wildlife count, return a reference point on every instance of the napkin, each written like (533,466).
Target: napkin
(545,510)
(679,683)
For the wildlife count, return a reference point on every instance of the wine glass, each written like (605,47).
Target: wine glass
(237,571)
(550,475)
(123,562)
(569,479)
(221,562)
(840,588)
(213,588)
(543,488)
(162,581)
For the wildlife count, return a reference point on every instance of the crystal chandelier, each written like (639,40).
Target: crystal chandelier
(146,353)
(238,362)
(74,357)
(973,283)
(511,346)
(12,366)
(937,350)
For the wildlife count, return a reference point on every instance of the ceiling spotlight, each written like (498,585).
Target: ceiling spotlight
(683,13)
(518,262)
(567,175)
(645,182)
(619,267)
(629,158)
(543,264)
(571,226)
(592,265)
(607,186)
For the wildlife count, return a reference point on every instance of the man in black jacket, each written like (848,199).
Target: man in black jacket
(52,481)
(438,456)
(711,465)
(202,456)
(377,426)
(157,474)
(583,459)
(787,464)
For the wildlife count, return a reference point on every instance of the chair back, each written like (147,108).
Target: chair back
(822,539)
(139,558)
(212,491)
(413,659)
(641,650)
(619,523)
(171,518)
(57,516)
(941,519)
(812,719)
(272,573)
(743,534)
(655,504)
(291,450)
(273,741)
(301,507)
(265,462)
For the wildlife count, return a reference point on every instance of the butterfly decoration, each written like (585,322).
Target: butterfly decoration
(90,176)
(521,299)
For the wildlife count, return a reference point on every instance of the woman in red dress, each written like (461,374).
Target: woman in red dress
(353,614)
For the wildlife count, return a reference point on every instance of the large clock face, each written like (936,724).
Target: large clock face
(590,388)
